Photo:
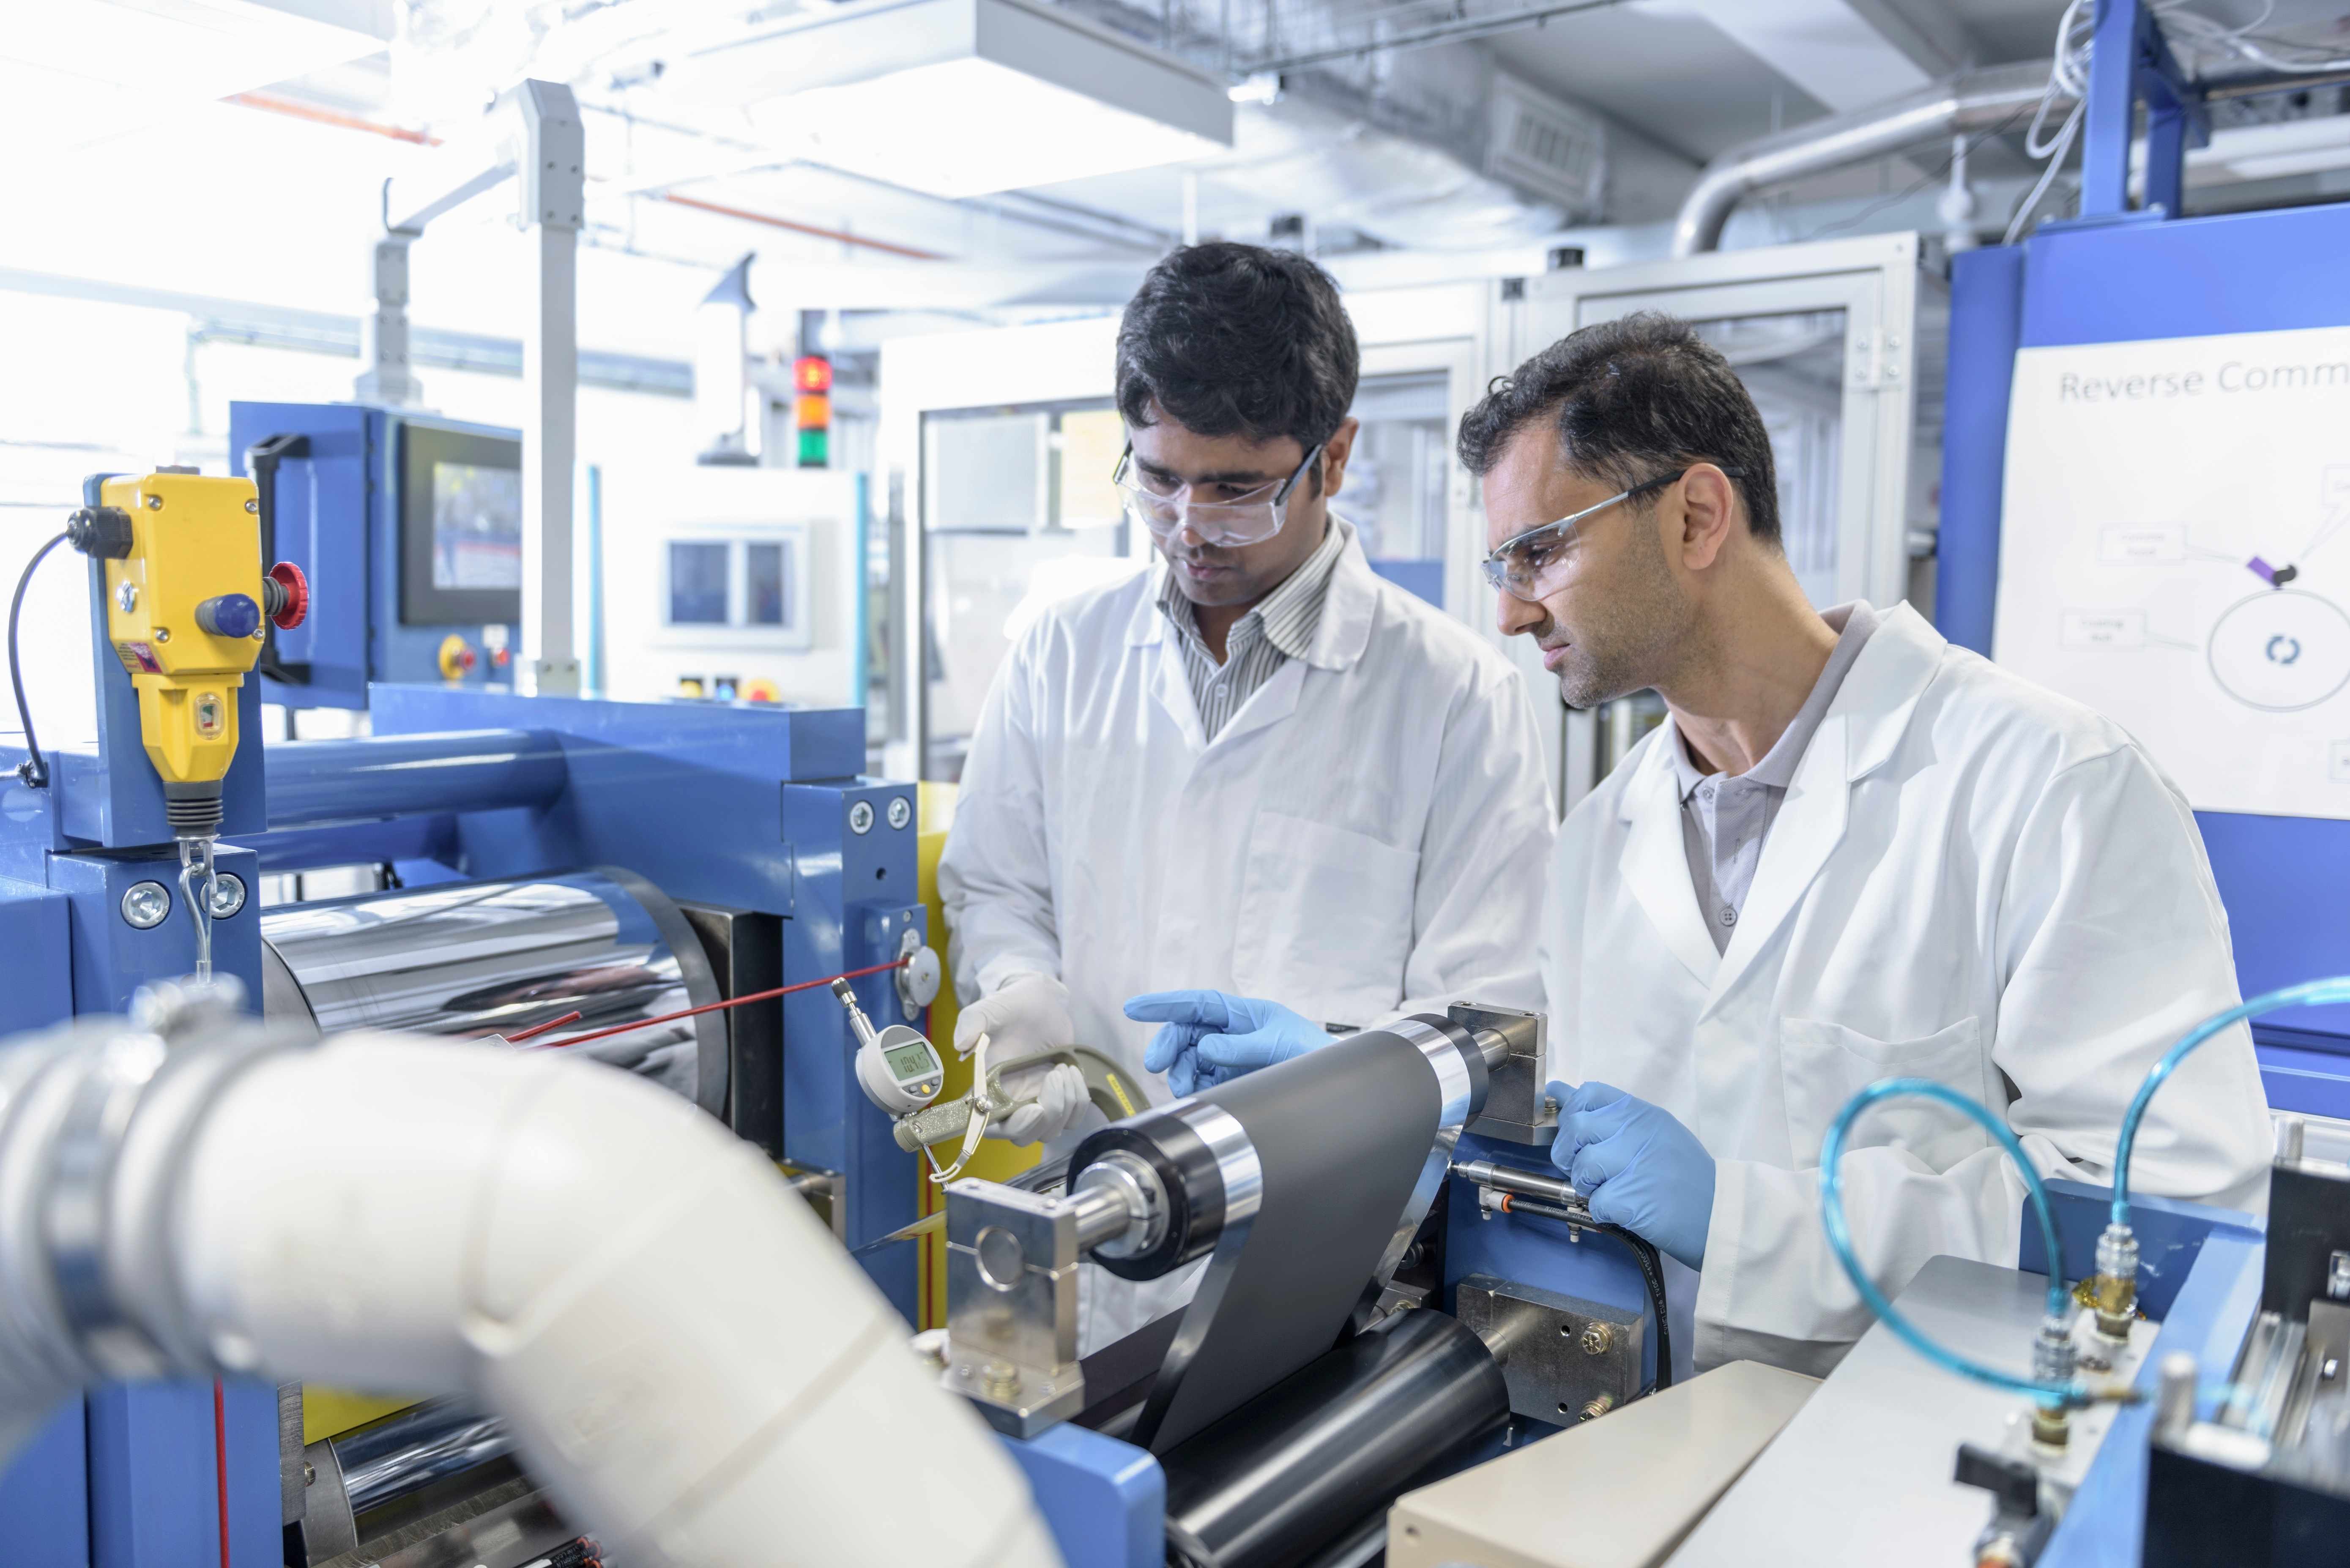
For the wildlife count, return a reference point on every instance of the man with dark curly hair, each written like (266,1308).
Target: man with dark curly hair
(1259,768)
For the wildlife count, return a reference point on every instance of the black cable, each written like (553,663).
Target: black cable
(1652,1273)
(33,770)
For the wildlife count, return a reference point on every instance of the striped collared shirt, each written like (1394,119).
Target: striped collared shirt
(1280,627)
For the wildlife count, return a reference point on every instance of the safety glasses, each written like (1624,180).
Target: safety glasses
(1229,520)
(1533,564)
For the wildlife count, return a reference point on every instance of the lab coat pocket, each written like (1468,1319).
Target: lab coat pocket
(1325,920)
(1825,1063)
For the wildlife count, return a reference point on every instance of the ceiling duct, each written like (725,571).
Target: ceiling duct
(1983,100)
(1425,147)
(1548,147)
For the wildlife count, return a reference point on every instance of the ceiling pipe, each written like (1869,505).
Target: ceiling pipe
(1979,101)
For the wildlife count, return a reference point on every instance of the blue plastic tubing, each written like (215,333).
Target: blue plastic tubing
(1840,1236)
(2308,993)
(313,783)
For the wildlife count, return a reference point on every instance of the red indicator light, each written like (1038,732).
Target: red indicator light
(812,373)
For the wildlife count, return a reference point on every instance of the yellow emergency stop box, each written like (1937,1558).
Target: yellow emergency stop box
(184,615)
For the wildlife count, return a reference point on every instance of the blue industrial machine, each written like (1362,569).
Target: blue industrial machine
(408,528)
(623,857)
(751,826)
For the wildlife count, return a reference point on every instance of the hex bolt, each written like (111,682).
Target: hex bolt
(1000,1379)
(1596,1408)
(154,504)
(1597,1338)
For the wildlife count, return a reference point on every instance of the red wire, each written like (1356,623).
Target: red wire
(721,1006)
(220,1460)
(534,1032)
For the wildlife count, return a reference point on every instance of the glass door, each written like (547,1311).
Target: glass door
(1826,338)
(1017,512)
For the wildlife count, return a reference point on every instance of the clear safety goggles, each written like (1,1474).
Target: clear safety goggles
(1533,564)
(1246,517)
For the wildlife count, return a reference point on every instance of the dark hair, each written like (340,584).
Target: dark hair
(1237,339)
(1632,399)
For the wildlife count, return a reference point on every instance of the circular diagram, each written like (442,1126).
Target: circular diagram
(2282,651)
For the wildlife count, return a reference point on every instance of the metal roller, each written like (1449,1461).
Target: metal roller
(386,1460)
(1315,1456)
(469,960)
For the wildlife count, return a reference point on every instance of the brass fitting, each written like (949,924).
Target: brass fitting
(2051,1426)
(2113,1292)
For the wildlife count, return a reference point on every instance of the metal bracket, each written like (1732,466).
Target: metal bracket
(1566,1359)
(1012,1306)
(1516,1110)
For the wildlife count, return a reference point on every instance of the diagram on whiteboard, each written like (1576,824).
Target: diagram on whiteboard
(2174,551)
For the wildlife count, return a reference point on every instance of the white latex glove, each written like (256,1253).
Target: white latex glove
(1059,1100)
(1025,1015)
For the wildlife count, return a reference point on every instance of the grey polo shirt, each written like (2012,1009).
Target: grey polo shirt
(1726,820)
(1279,628)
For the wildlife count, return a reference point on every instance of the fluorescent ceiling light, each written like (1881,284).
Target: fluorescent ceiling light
(73,72)
(963,98)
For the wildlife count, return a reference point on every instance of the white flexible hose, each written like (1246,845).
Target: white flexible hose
(687,1360)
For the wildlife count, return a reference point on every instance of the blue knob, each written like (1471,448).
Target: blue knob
(229,615)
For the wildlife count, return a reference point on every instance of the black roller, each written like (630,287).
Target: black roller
(1318,1453)
(1327,1149)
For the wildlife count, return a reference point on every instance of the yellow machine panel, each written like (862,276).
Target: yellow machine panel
(996,1160)
(178,607)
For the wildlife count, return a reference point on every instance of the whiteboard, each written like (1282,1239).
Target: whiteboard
(2174,551)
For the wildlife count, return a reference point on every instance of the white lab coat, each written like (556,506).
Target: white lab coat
(1971,880)
(1366,837)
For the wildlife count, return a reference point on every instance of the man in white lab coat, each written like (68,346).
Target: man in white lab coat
(1258,767)
(1851,852)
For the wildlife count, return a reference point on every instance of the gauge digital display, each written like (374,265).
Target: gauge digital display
(908,1062)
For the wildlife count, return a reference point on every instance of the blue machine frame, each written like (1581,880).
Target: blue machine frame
(2117,275)
(748,805)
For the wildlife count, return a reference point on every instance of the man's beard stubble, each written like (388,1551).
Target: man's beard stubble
(1628,640)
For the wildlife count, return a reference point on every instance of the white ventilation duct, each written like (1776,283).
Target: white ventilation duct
(686,1359)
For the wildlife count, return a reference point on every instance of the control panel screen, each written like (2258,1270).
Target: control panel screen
(458,502)
(476,526)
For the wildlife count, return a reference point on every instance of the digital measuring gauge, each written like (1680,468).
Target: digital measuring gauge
(898,1070)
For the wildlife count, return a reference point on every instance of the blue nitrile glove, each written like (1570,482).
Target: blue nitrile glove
(1212,1037)
(1638,1167)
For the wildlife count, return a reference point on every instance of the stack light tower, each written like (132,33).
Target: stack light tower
(812,389)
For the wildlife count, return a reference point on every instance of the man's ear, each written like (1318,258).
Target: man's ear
(1709,513)
(1335,454)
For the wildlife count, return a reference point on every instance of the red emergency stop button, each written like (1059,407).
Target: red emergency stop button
(286,594)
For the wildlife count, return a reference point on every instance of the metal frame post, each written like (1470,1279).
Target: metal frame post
(551,155)
(545,150)
(387,378)
(2129,62)
(2105,121)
